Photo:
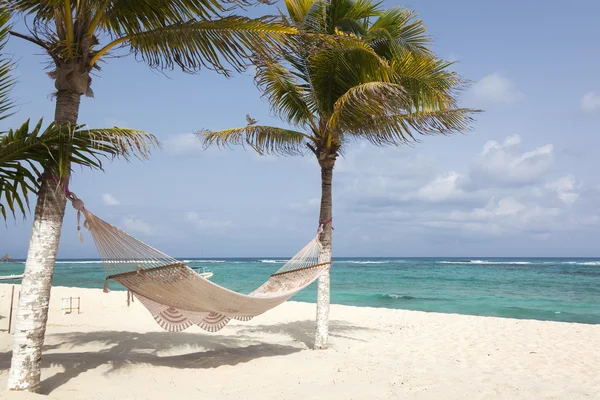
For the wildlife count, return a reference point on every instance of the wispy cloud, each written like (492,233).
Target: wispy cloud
(566,188)
(506,190)
(109,200)
(183,143)
(199,222)
(137,225)
(590,103)
(496,88)
(506,164)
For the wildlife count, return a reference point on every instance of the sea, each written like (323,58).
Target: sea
(546,289)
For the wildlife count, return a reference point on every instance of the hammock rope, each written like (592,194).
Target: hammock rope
(177,296)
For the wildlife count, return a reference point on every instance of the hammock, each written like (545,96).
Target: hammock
(178,297)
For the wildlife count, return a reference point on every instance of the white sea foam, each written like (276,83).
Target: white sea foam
(79,262)
(273,261)
(583,262)
(204,261)
(486,262)
(367,262)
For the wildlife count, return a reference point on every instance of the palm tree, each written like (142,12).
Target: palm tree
(358,72)
(77,36)
(23,154)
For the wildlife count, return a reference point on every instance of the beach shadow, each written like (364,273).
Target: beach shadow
(199,350)
(127,349)
(304,331)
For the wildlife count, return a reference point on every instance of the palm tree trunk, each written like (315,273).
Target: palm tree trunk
(32,313)
(322,331)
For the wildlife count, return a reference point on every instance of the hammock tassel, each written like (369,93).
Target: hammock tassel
(79,206)
(128,298)
(106,289)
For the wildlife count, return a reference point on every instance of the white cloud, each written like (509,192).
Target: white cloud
(590,103)
(507,190)
(495,88)
(196,219)
(109,200)
(183,143)
(504,163)
(506,206)
(565,189)
(442,188)
(137,225)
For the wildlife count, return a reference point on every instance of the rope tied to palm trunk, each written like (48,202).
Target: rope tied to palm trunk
(76,202)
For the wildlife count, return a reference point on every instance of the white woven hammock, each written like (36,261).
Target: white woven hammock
(178,297)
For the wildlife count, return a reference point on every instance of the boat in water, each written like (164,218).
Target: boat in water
(203,272)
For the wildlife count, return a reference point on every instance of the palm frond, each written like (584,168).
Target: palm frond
(366,101)
(339,66)
(85,147)
(352,10)
(135,16)
(23,152)
(43,10)
(401,129)
(299,9)
(432,86)
(6,66)
(287,97)
(397,32)
(263,139)
(210,44)
(19,154)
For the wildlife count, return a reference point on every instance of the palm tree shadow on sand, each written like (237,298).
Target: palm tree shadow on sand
(124,349)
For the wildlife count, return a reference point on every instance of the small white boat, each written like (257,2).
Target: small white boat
(12,277)
(203,272)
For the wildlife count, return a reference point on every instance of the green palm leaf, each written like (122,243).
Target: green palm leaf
(42,9)
(431,84)
(6,66)
(24,152)
(298,9)
(399,129)
(341,65)
(210,44)
(396,32)
(287,97)
(263,139)
(124,18)
(363,102)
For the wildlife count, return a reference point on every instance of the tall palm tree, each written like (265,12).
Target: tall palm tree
(358,72)
(77,36)
(68,38)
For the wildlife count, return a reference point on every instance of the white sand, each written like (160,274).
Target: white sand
(110,351)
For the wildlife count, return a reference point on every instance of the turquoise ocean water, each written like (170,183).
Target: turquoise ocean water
(544,289)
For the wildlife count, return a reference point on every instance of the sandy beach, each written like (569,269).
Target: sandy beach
(111,351)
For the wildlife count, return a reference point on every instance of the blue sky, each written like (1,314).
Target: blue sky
(522,183)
